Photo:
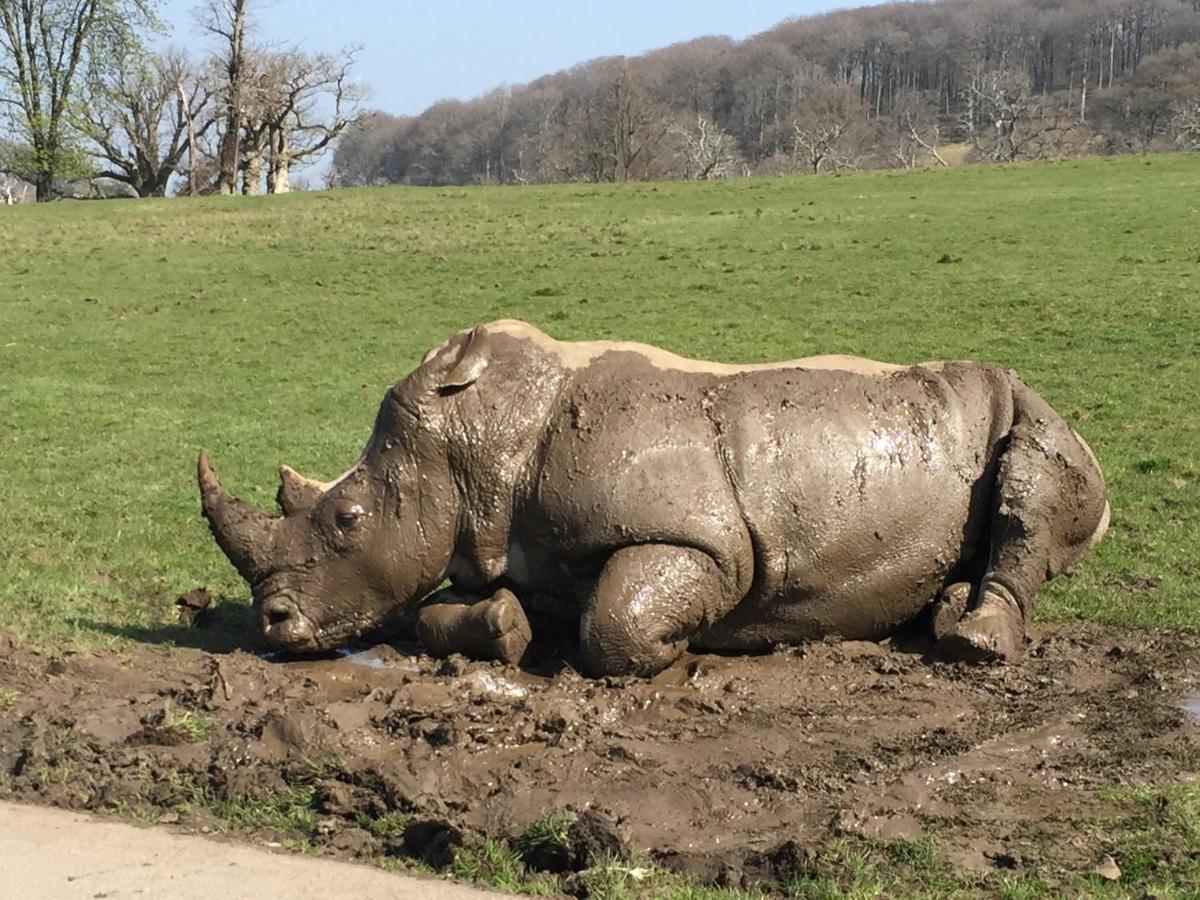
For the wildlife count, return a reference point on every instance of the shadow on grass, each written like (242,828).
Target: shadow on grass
(224,627)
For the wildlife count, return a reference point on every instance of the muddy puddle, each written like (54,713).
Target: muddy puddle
(1191,708)
(710,766)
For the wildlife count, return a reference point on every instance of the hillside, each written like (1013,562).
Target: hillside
(886,86)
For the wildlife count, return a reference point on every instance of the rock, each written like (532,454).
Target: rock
(860,649)
(93,189)
(327,826)
(193,606)
(1107,869)
(887,666)
(355,842)
(594,836)
(432,841)
(335,799)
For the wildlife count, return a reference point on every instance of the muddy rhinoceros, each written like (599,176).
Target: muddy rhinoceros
(654,501)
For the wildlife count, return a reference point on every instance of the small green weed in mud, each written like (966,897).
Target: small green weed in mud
(388,825)
(496,864)
(614,879)
(135,812)
(546,839)
(287,810)
(869,868)
(1025,887)
(186,726)
(8,698)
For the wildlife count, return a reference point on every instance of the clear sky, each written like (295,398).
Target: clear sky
(417,53)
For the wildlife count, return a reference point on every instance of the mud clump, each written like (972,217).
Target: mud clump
(193,607)
(735,771)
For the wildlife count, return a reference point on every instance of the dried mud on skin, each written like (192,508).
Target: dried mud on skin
(720,766)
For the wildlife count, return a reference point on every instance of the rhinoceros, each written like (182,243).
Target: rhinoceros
(655,502)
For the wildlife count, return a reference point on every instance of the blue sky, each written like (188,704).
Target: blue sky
(417,53)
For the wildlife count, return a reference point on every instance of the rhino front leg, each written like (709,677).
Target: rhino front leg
(648,601)
(491,628)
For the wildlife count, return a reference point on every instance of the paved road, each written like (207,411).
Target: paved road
(48,853)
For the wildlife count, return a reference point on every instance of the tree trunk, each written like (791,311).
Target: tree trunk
(43,185)
(280,162)
(280,175)
(232,139)
(252,167)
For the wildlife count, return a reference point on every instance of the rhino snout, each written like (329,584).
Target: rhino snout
(284,626)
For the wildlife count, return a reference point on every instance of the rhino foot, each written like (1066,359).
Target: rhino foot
(950,607)
(992,632)
(493,628)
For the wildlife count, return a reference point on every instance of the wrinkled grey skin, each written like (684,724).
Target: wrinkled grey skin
(658,501)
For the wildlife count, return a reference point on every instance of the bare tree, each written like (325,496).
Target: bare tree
(227,20)
(140,116)
(315,101)
(829,129)
(367,153)
(636,124)
(1186,125)
(918,132)
(45,45)
(1006,102)
(707,151)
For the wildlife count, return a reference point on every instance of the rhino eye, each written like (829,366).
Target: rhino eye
(349,516)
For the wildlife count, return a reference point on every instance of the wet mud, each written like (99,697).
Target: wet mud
(719,766)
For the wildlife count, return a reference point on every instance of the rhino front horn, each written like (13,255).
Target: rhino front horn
(243,532)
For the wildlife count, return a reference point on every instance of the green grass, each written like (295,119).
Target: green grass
(285,811)
(133,334)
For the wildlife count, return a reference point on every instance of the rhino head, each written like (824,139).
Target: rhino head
(346,556)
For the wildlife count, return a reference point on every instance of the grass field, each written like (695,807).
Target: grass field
(266,330)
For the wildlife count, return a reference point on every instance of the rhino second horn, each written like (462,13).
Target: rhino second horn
(297,493)
(243,532)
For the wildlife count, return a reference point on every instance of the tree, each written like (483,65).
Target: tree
(706,151)
(368,152)
(917,131)
(227,20)
(45,45)
(143,116)
(311,101)
(1003,99)
(830,129)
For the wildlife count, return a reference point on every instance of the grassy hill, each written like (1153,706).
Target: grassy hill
(132,334)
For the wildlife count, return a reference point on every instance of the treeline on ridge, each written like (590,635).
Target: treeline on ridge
(897,85)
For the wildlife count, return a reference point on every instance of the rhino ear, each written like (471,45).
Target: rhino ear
(296,493)
(462,362)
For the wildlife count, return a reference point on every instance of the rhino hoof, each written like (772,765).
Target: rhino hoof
(984,635)
(949,608)
(495,628)
(508,627)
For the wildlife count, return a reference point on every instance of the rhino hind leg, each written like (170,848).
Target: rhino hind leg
(647,602)
(1048,506)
